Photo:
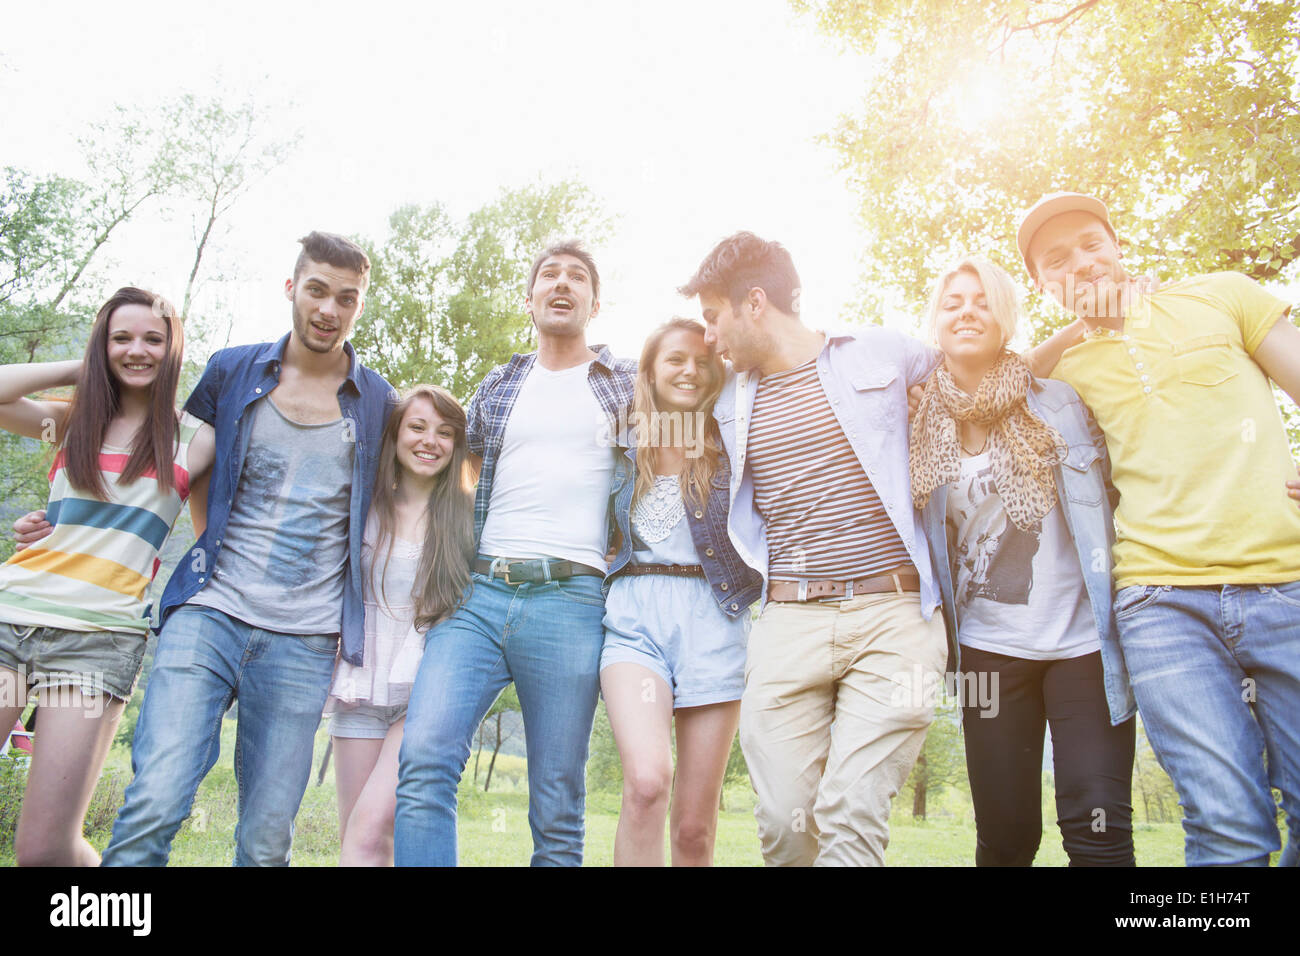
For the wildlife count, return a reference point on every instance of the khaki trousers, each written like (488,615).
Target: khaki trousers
(838,697)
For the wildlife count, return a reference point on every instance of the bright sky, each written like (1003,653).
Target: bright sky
(689,118)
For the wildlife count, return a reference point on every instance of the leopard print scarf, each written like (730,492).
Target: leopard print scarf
(1023,448)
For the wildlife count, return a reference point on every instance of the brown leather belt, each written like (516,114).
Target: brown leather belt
(677,570)
(899,580)
(516,571)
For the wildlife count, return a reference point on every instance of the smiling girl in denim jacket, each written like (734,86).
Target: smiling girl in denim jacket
(677,613)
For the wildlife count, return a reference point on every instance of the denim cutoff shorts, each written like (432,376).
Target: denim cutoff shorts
(673,627)
(95,662)
(365,720)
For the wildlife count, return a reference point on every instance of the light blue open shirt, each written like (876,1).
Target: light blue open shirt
(865,374)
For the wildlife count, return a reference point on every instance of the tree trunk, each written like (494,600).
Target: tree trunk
(100,239)
(198,254)
(325,762)
(1142,791)
(919,785)
(478,752)
(495,750)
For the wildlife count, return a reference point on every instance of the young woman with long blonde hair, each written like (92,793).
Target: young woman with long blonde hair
(677,613)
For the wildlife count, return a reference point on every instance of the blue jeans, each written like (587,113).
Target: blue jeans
(1216,671)
(547,639)
(205,659)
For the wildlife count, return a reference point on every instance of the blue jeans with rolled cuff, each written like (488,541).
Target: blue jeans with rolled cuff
(1216,671)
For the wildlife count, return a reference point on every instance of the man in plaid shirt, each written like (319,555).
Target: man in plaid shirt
(540,426)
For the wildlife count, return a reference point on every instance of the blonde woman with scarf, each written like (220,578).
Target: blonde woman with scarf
(1013,480)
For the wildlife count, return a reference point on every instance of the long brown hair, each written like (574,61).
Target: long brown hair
(697,472)
(97,400)
(443,571)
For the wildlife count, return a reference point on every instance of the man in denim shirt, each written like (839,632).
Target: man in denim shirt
(541,426)
(256,611)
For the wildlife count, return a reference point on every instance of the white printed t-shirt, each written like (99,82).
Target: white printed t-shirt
(1018,593)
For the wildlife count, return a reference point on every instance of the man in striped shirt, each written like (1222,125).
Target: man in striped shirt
(847,656)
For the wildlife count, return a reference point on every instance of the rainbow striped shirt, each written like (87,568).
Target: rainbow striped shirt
(92,572)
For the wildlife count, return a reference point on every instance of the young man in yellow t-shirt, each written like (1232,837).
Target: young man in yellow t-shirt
(1207,552)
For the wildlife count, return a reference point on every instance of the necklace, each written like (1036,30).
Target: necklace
(981,448)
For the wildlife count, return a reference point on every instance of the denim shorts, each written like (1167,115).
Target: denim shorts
(365,720)
(96,662)
(672,627)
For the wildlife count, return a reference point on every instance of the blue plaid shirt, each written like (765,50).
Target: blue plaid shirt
(611,381)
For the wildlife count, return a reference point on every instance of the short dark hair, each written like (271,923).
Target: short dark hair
(742,262)
(566,247)
(335,250)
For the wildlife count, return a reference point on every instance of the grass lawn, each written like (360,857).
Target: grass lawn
(494,826)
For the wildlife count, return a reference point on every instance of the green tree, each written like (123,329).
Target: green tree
(737,770)
(131,165)
(507,701)
(446,298)
(1182,117)
(50,230)
(40,236)
(941,764)
(410,285)
(604,768)
(1154,796)
(215,154)
(197,154)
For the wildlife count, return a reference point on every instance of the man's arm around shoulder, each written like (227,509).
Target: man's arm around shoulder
(1278,354)
(916,359)
(1042,359)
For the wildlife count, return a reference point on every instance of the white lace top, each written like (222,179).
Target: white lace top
(657,512)
(393,647)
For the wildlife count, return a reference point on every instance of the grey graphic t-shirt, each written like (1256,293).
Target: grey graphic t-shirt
(284,552)
(1019,593)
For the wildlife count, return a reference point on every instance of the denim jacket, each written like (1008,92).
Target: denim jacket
(234,379)
(1086,497)
(735,585)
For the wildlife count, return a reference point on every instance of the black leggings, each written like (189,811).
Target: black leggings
(1004,757)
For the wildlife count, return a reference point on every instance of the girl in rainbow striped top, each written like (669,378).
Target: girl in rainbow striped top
(73,618)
